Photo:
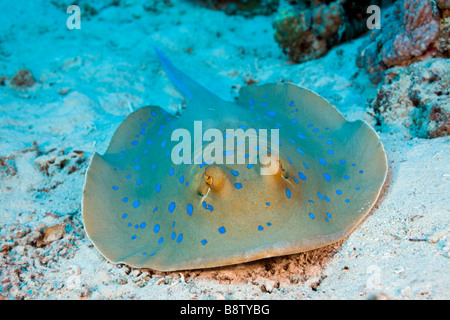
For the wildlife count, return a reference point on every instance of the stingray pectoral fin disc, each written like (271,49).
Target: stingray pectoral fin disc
(142,209)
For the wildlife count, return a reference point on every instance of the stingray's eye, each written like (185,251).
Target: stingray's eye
(213,178)
(272,166)
(208,180)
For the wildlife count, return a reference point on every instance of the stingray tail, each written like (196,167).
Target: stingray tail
(189,88)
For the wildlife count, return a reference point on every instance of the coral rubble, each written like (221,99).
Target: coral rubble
(246,8)
(22,80)
(414,100)
(407,34)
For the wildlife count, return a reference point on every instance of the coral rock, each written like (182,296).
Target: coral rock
(406,35)
(308,30)
(414,100)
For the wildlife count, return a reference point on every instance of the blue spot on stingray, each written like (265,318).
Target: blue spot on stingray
(129,224)
(125,199)
(311,201)
(249,166)
(342,161)
(361,171)
(260,228)
(267,203)
(124,216)
(173,235)
(115,188)
(306,166)
(137,168)
(289,159)
(329,142)
(329,215)
(228,152)
(346,177)
(149,142)
(171,171)
(189,209)
(128,176)
(173,224)
(133,237)
(347,200)
(322,161)
(205,205)
(158,188)
(163,144)
(268,224)
(142,225)
(271,113)
(156,208)
(310,125)
(300,151)
(291,103)
(251,101)
(320,195)
(136,204)
(238,185)
(353,164)
(180,238)
(203,242)
(358,188)
(171,207)
(301,136)
(222,230)
(235,173)
(301,176)
(154,166)
(264,104)
(136,160)
(330,151)
(134,143)
(160,240)
(316,130)
(139,182)
(181,179)
(156,228)
(294,121)
(327,176)
(288,193)
(327,199)
(311,216)
(339,192)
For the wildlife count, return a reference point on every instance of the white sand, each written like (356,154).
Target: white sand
(401,250)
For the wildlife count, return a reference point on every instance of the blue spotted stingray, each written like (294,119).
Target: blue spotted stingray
(142,209)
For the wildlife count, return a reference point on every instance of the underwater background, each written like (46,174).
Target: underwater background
(68,81)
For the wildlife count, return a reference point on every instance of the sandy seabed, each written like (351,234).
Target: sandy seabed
(89,80)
